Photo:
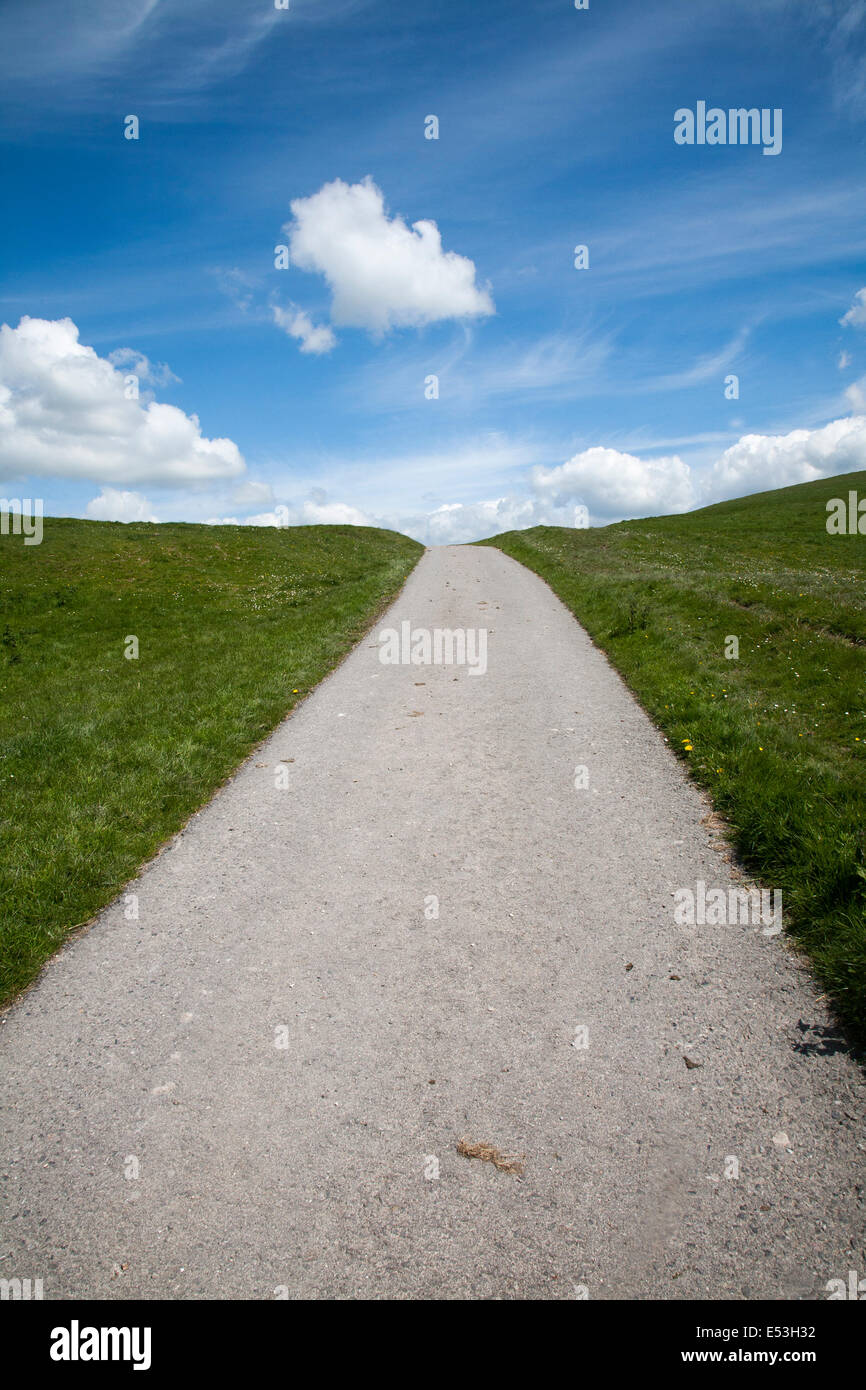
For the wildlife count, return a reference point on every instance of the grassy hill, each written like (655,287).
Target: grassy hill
(102,757)
(778,734)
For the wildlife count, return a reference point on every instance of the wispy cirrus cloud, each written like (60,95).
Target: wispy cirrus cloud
(708,367)
(177,53)
(856,315)
(559,366)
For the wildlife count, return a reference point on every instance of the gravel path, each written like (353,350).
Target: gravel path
(287,1045)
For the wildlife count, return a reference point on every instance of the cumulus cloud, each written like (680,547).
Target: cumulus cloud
(856,315)
(449,524)
(297,324)
(382,273)
(66,412)
(603,483)
(333,514)
(457,523)
(114,505)
(615,485)
(599,485)
(759,462)
(312,512)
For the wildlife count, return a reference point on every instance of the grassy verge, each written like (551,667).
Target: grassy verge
(103,757)
(777,735)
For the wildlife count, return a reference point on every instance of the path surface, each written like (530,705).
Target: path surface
(310,1166)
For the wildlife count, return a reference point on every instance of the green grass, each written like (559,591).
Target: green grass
(103,758)
(778,737)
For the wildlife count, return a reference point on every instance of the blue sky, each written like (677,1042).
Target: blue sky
(558,388)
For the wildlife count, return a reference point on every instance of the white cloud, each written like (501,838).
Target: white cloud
(610,484)
(297,324)
(844,360)
(855,394)
(251,493)
(382,274)
(458,523)
(607,483)
(316,511)
(856,315)
(615,485)
(112,505)
(452,523)
(64,412)
(157,373)
(759,462)
(332,514)
(313,513)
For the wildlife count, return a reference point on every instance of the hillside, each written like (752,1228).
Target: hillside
(777,734)
(103,757)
